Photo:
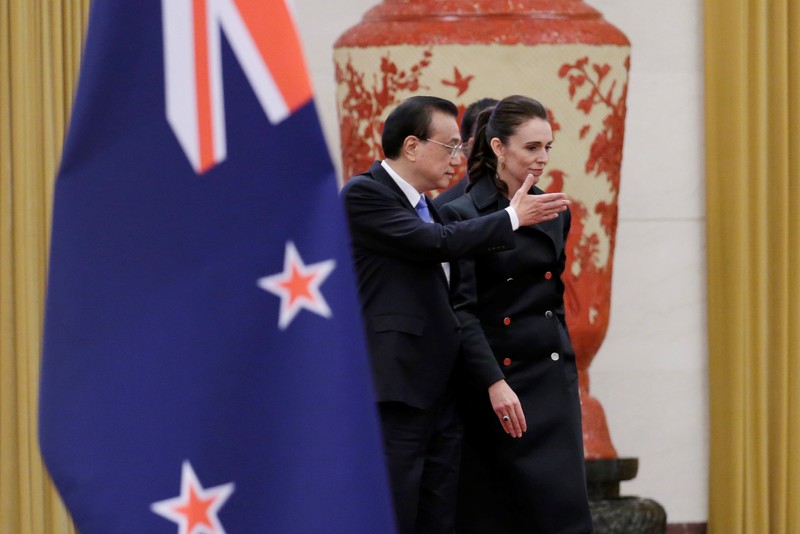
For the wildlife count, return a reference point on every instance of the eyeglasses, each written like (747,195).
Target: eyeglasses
(454,150)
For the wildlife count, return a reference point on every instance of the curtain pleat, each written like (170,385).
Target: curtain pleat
(40,46)
(753,236)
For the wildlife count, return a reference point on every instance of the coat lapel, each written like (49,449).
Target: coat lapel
(554,230)
(453,264)
(487,200)
(380,175)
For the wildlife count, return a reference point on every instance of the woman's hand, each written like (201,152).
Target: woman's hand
(507,408)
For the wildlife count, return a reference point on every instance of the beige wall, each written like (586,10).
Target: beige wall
(650,373)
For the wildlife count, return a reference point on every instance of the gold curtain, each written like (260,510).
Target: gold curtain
(752,69)
(40,46)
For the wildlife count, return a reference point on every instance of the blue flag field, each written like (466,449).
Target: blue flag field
(204,369)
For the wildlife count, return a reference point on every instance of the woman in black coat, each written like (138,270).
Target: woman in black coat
(523,467)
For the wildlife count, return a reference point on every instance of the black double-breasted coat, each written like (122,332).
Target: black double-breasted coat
(511,308)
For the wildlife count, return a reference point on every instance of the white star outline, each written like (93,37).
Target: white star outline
(218,495)
(291,304)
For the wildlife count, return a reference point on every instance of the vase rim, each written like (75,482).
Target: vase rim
(458,16)
(393,10)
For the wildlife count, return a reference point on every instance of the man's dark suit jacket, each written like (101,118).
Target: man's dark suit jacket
(413,336)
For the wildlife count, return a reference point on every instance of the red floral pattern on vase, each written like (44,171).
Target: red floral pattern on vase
(588,293)
(364,107)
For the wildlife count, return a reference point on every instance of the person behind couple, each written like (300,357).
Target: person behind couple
(522,465)
(404,267)
(467,136)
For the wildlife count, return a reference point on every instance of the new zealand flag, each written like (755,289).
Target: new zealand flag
(204,369)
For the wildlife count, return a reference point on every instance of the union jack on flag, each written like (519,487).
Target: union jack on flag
(203,368)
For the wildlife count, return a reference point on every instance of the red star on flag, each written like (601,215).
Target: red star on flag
(195,509)
(298,286)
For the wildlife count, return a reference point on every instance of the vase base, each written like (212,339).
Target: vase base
(612,514)
(628,515)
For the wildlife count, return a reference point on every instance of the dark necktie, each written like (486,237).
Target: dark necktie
(422,210)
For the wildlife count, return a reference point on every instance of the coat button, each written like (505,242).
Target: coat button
(507,362)
(554,356)
(548,314)
(548,275)
(507,321)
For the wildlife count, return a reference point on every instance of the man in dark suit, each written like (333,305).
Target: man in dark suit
(467,137)
(402,253)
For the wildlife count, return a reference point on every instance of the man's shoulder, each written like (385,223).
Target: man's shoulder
(456,191)
(462,207)
(370,179)
(357,180)
(462,202)
(364,184)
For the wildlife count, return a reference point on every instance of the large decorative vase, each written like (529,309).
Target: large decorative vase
(561,52)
